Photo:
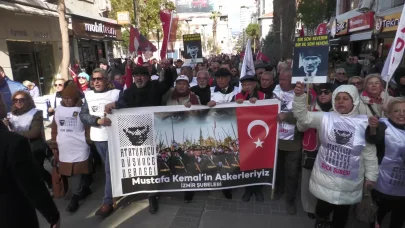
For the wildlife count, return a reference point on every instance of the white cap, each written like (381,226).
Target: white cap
(182,78)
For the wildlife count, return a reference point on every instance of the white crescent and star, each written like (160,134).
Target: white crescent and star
(258,143)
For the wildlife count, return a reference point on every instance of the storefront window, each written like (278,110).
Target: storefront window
(32,61)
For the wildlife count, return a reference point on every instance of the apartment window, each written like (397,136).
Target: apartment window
(388,4)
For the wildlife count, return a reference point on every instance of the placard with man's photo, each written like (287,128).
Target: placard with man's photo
(310,60)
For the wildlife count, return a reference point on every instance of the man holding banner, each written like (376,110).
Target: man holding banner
(145,93)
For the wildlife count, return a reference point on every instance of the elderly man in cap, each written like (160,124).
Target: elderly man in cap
(144,93)
(181,93)
(252,94)
(223,92)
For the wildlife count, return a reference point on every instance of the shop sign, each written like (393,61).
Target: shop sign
(341,28)
(18,33)
(387,23)
(123,18)
(361,22)
(41,34)
(85,28)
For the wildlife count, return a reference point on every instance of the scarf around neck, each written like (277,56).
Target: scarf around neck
(176,96)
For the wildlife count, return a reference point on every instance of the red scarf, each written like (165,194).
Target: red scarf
(193,98)
(373,100)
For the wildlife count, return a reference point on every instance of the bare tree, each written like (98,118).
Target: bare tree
(63,69)
(288,22)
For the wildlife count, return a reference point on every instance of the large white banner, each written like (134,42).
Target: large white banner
(174,148)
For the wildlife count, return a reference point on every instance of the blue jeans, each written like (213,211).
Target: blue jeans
(102,149)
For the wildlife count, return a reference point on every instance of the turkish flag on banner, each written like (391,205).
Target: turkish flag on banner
(257,133)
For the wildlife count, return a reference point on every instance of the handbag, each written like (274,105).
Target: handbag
(59,183)
(308,159)
(366,210)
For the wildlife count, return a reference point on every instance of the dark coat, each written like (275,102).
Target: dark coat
(22,190)
(150,95)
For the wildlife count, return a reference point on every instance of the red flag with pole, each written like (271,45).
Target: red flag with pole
(165,18)
(302,34)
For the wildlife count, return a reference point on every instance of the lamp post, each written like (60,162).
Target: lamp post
(188,25)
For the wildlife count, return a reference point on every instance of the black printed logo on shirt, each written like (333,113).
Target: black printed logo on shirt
(62,122)
(94,108)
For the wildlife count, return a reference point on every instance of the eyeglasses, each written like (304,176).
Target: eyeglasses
(341,73)
(81,77)
(357,83)
(326,92)
(97,79)
(21,100)
(57,85)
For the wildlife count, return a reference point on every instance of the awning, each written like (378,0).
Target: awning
(26,9)
(361,36)
(348,15)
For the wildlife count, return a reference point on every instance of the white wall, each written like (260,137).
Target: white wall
(266,26)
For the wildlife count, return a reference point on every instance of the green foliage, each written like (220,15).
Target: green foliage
(270,44)
(253,31)
(125,38)
(148,13)
(314,12)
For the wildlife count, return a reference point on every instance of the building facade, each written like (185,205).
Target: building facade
(30,41)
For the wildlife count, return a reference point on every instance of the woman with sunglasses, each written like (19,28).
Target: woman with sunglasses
(27,121)
(56,98)
(69,143)
(389,135)
(310,145)
(82,81)
(357,81)
(345,161)
(340,77)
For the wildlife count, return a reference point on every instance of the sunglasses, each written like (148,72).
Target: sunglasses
(356,83)
(57,85)
(234,71)
(326,92)
(81,77)
(341,73)
(97,79)
(21,100)
(350,59)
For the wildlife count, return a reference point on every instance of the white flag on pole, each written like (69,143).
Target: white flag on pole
(248,66)
(397,47)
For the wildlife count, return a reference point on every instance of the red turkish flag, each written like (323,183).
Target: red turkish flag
(257,133)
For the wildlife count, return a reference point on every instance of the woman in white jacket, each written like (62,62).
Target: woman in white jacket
(344,158)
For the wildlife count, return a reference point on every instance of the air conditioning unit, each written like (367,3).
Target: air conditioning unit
(104,5)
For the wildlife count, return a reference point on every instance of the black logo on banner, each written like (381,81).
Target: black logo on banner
(94,108)
(342,137)
(137,135)
(62,122)
(135,130)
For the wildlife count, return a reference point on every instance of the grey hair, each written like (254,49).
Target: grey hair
(393,101)
(271,73)
(282,65)
(340,69)
(370,76)
(101,71)
(207,74)
(286,70)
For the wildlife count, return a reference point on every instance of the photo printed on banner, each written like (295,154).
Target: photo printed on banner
(138,154)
